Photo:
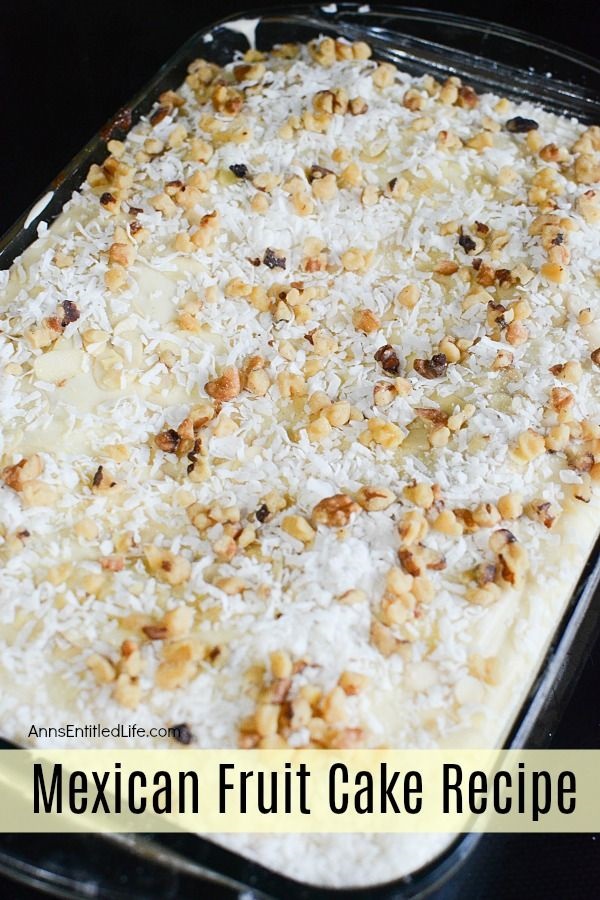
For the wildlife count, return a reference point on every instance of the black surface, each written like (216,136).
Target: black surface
(65,67)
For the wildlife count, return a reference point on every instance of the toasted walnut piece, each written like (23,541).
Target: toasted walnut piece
(412,527)
(467,97)
(366,320)
(130,662)
(570,371)
(504,360)
(318,429)
(162,203)
(388,358)
(554,272)
(446,267)
(167,566)
(450,350)
(420,493)
(171,675)
(299,528)
(127,692)
(510,506)
(517,334)
(439,437)
(384,639)
(102,668)
(529,445)
(291,385)
(483,596)
(353,682)
(206,231)
(485,573)
(409,296)
(398,582)
(557,438)
(112,563)
(384,393)
(447,523)
(431,368)
(432,415)
(421,123)
(318,401)
(325,188)
(486,515)
(499,539)
(374,499)
(355,260)
(26,470)
(448,140)
(582,461)
(168,441)
(416,559)
(480,142)
(384,75)
(178,622)
(358,106)
(542,511)
(323,52)
(338,414)
(115,278)
(587,169)
(588,206)
(226,387)
(386,434)
(449,91)
(258,383)
(281,664)
(513,563)
(595,356)
(335,511)
(351,176)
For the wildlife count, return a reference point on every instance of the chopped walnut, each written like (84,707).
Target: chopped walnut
(386,434)
(384,639)
(373,499)
(335,511)
(431,368)
(167,566)
(299,528)
(366,320)
(388,358)
(226,387)
(530,444)
(384,393)
(421,494)
(412,527)
(542,511)
(510,506)
(102,668)
(26,470)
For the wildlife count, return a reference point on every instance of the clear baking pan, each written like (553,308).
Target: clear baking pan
(490,57)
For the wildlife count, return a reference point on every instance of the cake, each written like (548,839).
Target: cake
(300,424)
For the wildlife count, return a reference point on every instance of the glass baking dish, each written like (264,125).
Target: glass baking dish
(490,57)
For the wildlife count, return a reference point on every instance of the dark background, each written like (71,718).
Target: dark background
(65,68)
